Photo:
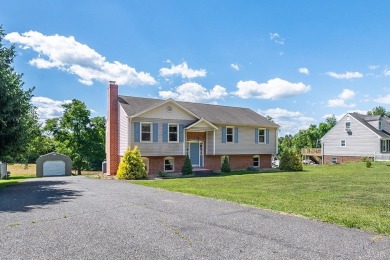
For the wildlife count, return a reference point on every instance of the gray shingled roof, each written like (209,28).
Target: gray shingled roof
(215,114)
(364,120)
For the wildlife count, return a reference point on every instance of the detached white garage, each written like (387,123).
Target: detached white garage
(54,164)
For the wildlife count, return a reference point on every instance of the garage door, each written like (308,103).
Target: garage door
(54,168)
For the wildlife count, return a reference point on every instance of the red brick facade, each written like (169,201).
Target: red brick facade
(112,135)
(341,159)
(212,162)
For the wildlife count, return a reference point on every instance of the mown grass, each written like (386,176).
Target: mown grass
(19,172)
(350,195)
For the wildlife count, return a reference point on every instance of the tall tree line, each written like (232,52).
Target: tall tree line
(24,139)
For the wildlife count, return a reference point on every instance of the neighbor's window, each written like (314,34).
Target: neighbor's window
(169,164)
(172,132)
(343,143)
(146,130)
(385,144)
(229,134)
(261,135)
(256,161)
(380,125)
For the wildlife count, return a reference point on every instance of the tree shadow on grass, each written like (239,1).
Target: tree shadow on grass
(25,196)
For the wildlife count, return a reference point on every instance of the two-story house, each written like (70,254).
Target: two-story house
(166,131)
(356,136)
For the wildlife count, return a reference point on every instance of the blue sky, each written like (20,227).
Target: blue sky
(297,61)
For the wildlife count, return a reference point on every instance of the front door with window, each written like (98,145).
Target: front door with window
(196,153)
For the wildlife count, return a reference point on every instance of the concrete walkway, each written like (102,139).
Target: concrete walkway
(81,218)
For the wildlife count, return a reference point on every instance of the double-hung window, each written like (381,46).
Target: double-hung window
(256,161)
(343,143)
(146,132)
(173,133)
(262,135)
(169,164)
(229,134)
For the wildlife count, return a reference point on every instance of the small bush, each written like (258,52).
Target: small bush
(163,174)
(368,164)
(289,161)
(131,166)
(187,166)
(225,165)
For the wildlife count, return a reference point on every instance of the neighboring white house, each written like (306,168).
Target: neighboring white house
(356,136)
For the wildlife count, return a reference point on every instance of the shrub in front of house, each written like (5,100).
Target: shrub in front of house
(187,166)
(368,164)
(225,165)
(289,161)
(131,166)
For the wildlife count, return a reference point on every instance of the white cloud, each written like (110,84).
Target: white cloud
(373,67)
(383,100)
(234,66)
(290,121)
(276,38)
(347,94)
(386,72)
(340,101)
(194,92)
(303,71)
(48,108)
(183,71)
(65,53)
(346,75)
(280,113)
(272,89)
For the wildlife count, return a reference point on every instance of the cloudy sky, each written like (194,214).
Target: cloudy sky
(296,61)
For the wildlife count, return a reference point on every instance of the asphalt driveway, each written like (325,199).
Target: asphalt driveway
(82,218)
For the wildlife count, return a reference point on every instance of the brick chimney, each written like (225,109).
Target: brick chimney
(112,134)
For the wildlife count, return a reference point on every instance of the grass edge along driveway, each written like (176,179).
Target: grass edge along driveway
(350,195)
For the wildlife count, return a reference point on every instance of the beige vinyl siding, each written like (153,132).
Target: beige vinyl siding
(209,142)
(176,113)
(159,148)
(360,142)
(246,142)
(123,131)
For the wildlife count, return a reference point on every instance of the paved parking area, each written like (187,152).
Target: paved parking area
(81,218)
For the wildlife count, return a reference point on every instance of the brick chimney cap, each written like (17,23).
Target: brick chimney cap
(112,81)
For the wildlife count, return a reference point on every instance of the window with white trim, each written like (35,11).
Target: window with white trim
(223,158)
(262,135)
(230,134)
(347,125)
(169,164)
(173,133)
(380,125)
(334,159)
(256,161)
(146,132)
(146,163)
(385,146)
(343,143)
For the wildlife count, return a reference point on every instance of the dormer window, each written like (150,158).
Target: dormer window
(380,125)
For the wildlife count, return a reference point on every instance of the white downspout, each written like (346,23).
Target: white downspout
(214,142)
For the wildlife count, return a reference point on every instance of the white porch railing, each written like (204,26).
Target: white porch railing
(381,157)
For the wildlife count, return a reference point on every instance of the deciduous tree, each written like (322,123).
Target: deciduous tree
(17,115)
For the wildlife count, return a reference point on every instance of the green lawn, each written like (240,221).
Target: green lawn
(350,195)
(19,172)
